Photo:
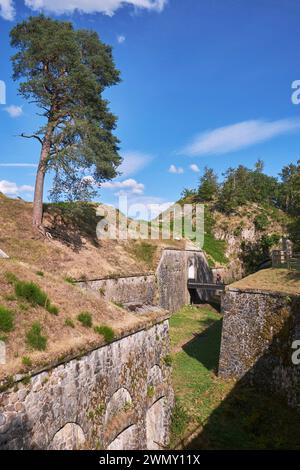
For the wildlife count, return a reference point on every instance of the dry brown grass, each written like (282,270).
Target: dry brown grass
(74,250)
(62,340)
(274,279)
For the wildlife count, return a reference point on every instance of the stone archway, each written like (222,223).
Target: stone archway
(120,401)
(126,440)
(155,425)
(69,437)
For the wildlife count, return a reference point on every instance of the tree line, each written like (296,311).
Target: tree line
(243,185)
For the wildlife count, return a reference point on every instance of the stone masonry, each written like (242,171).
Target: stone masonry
(259,329)
(116,397)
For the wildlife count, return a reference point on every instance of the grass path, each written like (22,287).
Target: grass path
(224,414)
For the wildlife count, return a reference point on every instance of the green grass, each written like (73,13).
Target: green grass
(144,252)
(70,280)
(215,249)
(226,415)
(105,331)
(35,339)
(85,318)
(69,322)
(6,320)
(33,294)
(26,361)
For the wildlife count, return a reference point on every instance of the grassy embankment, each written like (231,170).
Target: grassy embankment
(220,414)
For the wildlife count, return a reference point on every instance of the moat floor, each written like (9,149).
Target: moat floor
(211,413)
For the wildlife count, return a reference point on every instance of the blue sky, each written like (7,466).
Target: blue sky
(205,82)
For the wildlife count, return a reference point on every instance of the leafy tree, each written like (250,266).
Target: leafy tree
(64,72)
(188,193)
(208,185)
(290,188)
(242,185)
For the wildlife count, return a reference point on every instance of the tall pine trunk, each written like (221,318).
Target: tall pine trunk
(37,218)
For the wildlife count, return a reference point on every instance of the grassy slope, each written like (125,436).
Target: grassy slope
(274,279)
(65,334)
(74,249)
(224,415)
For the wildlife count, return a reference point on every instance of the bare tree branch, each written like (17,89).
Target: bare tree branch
(34,136)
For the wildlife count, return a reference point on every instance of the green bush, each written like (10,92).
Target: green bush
(40,273)
(105,331)
(35,339)
(52,309)
(6,319)
(261,222)
(70,280)
(34,295)
(69,322)
(168,360)
(85,319)
(26,361)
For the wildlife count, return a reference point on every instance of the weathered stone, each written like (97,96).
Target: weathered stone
(92,401)
(259,329)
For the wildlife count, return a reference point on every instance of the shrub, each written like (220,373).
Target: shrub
(35,339)
(150,391)
(105,331)
(6,319)
(261,222)
(85,319)
(11,277)
(168,360)
(52,309)
(70,280)
(40,273)
(26,361)
(69,322)
(34,295)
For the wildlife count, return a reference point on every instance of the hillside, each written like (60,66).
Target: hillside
(74,249)
(44,316)
(237,242)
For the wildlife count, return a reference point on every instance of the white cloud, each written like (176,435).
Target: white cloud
(108,7)
(12,189)
(176,170)
(121,38)
(133,162)
(18,165)
(14,111)
(129,185)
(7,10)
(195,168)
(237,136)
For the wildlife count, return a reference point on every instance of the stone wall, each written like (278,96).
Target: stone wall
(172,276)
(116,397)
(259,329)
(166,289)
(130,290)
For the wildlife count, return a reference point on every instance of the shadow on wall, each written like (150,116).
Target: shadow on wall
(251,416)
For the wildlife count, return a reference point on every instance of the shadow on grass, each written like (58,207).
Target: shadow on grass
(73,223)
(255,414)
(205,347)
